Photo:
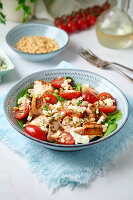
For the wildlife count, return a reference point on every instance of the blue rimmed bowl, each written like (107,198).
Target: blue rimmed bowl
(31,29)
(98,82)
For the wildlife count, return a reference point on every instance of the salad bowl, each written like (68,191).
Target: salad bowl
(83,77)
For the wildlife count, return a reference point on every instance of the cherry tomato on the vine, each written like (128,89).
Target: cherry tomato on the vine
(81,23)
(62,26)
(71,26)
(90,19)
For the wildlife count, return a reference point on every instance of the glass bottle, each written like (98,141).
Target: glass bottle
(114,28)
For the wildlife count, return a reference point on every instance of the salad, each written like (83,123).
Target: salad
(64,113)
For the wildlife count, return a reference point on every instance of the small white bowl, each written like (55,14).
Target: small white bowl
(7,62)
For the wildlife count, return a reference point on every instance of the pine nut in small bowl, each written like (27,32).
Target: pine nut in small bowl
(37,42)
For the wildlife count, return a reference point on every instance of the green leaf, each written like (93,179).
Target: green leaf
(79,103)
(23,93)
(58,97)
(78,87)
(21,122)
(1,5)
(68,77)
(33,1)
(114,116)
(45,108)
(55,142)
(111,128)
(59,115)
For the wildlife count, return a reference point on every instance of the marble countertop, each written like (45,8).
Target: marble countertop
(16,180)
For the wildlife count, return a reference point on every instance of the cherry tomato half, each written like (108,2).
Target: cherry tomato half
(90,97)
(22,112)
(50,98)
(72,114)
(65,138)
(63,113)
(105,95)
(107,109)
(57,82)
(70,95)
(35,132)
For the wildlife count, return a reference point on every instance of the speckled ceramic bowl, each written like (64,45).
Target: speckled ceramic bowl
(31,29)
(98,82)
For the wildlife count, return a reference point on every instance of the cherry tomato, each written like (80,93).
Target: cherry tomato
(96,10)
(105,6)
(35,132)
(72,114)
(65,138)
(71,26)
(70,18)
(90,97)
(107,109)
(50,98)
(58,20)
(63,113)
(22,112)
(81,23)
(105,95)
(62,26)
(91,20)
(57,82)
(79,14)
(70,95)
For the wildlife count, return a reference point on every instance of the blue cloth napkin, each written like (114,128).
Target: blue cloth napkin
(57,169)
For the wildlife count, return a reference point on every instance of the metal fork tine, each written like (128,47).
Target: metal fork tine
(80,52)
(90,56)
(92,53)
(86,56)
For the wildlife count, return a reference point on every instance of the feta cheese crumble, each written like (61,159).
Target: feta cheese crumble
(102,118)
(29,118)
(76,108)
(109,102)
(23,100)
(80,139)
(66,85)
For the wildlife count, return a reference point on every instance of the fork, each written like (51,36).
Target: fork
(96,61)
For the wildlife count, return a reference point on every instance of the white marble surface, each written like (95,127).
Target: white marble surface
(16,180)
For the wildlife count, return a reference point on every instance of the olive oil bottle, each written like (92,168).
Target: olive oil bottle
(114,28)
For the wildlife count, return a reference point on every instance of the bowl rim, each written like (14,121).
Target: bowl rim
(61,145)
(32,23)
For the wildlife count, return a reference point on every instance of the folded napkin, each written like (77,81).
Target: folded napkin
(57,169)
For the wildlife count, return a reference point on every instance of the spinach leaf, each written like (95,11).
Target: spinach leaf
(111,128)
(21,122)
(78,87)
(23,93)
(55,142)
(68,77)
(114,116)
(111,120)
(59,98)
